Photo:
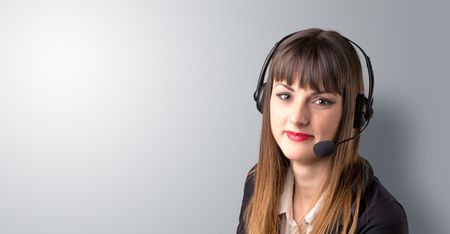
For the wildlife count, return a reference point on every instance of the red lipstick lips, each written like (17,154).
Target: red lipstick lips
(298,136)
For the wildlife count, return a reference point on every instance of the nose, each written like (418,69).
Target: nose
(300,114)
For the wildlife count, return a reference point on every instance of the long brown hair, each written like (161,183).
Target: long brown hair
(318,59)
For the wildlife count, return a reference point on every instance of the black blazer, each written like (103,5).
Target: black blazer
(380,212)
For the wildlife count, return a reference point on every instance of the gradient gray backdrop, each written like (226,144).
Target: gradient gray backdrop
(137,116)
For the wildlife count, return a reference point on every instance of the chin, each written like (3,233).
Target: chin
(299,155)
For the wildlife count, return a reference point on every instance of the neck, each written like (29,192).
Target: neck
(309,183)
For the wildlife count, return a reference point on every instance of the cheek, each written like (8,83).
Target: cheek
(333,123)
(276,119)
(273,121)
(327,125)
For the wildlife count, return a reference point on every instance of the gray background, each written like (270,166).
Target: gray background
(137,116)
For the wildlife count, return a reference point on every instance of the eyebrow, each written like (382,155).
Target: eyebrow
(315,92)
(286,86)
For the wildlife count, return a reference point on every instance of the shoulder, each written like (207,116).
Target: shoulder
(248,192)
(249,184)
(381,213)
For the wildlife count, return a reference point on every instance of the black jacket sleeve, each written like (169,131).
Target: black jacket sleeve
(387,217)
(383,213)
(248,192)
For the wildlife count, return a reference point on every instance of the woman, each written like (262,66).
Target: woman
(304,182)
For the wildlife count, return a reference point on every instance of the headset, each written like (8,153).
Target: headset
(363,109)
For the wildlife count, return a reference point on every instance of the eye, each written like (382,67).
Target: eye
(322,101)
(284,96)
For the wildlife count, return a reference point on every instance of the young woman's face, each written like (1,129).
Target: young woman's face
(300,118)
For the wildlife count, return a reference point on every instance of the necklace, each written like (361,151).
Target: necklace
(306,222)
(303,226)
(303,223)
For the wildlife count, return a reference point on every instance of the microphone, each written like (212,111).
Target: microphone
(324,148)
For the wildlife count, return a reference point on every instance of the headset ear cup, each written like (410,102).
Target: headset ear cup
(260,98)
(360,109)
